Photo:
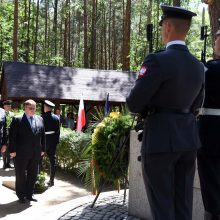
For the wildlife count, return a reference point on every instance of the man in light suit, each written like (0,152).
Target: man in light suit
(26,146)
(169,89)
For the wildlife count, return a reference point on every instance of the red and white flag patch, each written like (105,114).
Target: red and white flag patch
(142,71)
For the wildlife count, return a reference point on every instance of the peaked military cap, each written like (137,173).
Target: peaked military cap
(7,102)
(175,12)
(49,103)
(218,32)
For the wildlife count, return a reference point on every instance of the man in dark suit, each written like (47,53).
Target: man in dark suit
(209,154)
(52,131)
(169,89)
(26,146)
(3,131)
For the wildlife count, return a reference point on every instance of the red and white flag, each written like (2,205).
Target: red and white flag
(81,120)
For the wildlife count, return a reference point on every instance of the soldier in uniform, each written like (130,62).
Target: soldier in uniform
(169,88)
(52,131)
(209,155)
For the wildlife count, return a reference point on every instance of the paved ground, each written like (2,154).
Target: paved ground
(66,188)
(110,206)
(69,200)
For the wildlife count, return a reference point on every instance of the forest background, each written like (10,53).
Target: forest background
(96,34)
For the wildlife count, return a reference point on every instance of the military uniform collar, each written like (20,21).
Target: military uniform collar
(175,42)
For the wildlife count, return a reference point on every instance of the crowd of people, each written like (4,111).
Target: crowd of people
(68,122)
(178,97)
(26,138)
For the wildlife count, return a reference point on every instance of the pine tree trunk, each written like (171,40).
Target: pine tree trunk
(27,24)
(60,43)
(101,39)
(86,51)
(114,50)
(214,14)
(36,32)
(69,36)
(74,33)
(49,39)
(93,37)
(65,37)
(46,34)
(109,34)
(158,31)
(126,38)
(105,43)
(137,62)
(79,35)
(1,38)
(15,33)
(149,21)
(55,27)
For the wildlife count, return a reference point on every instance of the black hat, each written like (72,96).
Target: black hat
(49,103)
(218,32)
(7,102)
(175,12)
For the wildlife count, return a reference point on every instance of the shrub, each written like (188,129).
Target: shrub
(70,148)
(40,185)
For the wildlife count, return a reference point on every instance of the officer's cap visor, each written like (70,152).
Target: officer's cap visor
(49,103)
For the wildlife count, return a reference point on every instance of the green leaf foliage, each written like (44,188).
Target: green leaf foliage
(70,148)
(107,39)
(40,184)
(107,141)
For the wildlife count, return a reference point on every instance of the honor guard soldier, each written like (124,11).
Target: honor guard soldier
(52,131)
(209,122)
(169,88)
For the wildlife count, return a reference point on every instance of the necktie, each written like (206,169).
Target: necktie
(32,123)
